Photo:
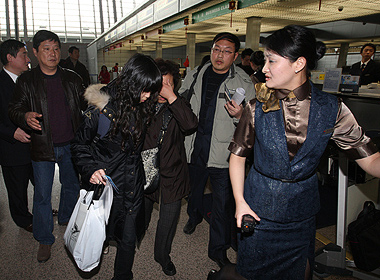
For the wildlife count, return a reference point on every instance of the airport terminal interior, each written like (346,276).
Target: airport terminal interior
(111,31)
(189,252)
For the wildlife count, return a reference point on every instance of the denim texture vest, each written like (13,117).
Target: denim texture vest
(289,201)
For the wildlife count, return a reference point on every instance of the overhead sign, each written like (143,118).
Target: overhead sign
(107,38)
(131,25)
(145,17)
(221,9)
(164,9)
(246,3)
(173,25)
(113,34)
(211,12)
(121,32)
(153,33)
(185,4)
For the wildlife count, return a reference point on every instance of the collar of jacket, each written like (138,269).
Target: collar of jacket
(96,96)
(231,74)
(270,97)
(61,72)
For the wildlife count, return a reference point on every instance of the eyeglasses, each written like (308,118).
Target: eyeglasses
(217,51)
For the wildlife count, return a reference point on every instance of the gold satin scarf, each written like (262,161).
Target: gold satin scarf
(269,99)
(267,96)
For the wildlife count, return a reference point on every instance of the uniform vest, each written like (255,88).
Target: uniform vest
(281,190)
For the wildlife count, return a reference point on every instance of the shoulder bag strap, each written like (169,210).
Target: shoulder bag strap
(189,93)
(166,117)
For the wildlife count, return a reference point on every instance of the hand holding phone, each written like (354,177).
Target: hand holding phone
(227,94)
(248,223)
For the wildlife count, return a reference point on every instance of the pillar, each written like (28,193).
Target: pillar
(252,37)
(158,49)
(342,59)
(139,49)
(190,49)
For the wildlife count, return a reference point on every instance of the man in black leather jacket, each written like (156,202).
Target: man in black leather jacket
(47,100)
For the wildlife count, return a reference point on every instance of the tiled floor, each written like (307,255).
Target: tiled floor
(19,249)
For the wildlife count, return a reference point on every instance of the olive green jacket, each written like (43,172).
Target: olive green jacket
(224,125)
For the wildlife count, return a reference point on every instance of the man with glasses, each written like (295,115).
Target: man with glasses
(206,150)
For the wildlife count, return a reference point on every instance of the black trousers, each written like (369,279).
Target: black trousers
(166,228)
(16,180)
(125,253)
(221,220)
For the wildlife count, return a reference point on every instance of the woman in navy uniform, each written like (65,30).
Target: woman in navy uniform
(288,126)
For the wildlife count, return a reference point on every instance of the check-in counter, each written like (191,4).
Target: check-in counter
(365,105)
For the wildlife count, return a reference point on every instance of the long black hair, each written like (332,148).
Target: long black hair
(140,74)
(294,41)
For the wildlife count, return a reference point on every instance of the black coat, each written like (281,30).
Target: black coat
(123,166)
(12,152)
(30,96)
(174,180)
(370,74)
(79,69)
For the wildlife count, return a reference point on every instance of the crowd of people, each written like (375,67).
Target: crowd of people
(52,115)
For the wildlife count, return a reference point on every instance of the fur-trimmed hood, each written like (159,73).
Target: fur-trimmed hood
(96,97)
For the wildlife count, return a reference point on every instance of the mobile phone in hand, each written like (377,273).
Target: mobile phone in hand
(248,223)
(227,94)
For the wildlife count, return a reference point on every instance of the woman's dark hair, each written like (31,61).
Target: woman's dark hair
(101,69)
(140,74)
(294,41)
(257,58)
(169,67)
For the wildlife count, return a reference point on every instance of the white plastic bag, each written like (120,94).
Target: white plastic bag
(85,232)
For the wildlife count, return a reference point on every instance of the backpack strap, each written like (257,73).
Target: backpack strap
(187,94)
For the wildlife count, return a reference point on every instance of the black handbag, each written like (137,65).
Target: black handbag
(364,238)
(151,158)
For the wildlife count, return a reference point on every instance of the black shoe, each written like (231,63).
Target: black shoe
(211,274)
(29,228)
(169,269)
(222,262)
(189,228)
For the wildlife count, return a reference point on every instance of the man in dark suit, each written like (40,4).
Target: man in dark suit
(244,64)
(73,63)
(367,69)
(14,142)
